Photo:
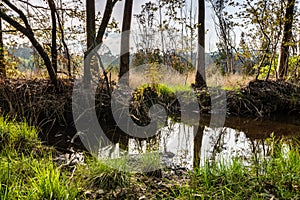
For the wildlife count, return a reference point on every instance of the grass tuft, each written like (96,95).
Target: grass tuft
(106,176)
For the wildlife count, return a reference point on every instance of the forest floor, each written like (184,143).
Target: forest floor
(31,170)
(50,110)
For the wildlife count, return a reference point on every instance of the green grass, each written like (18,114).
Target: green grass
(24,177)
(26,167)
(106,175)
(16,135)
(274,177)
(164,90)
(27,175)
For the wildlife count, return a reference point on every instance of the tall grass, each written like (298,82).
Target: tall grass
(23,173)
(16,134)
(273,177)
(106,175)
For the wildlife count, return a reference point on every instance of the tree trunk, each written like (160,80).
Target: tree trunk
(2,65)
(105,20)
(53,34)
(200,81)
(99,38)
(298,45)
(90,22)
(66,49)
(198,131)
(286,38)
(161,32)
(125,43)
(90,34)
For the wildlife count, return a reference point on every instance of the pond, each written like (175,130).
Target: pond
(179,145)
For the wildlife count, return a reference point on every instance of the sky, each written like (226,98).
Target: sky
(113,42)
(211,37)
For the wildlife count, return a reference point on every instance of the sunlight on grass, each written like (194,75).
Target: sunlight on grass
(36,176)
(25,174)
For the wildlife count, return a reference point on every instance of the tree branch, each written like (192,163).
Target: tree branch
(21,14)
(30,35)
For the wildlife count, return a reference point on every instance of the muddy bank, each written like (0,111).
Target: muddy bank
(265,99)
(51,111)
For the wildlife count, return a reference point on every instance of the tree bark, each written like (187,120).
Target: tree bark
(101,31)
(200,81)
(53,35)
(286,38)
(2,65)
(90,38)
(298,38)
(198,131)
(90,22)
(105,20)
(161,31)
(125,43)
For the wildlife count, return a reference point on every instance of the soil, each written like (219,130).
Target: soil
(147,187)
(265,99)
(50,110)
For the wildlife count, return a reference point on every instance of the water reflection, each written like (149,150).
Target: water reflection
(225,144)
(186,146)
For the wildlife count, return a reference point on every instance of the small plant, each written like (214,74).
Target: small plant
(101,175)
(25,174)
(17,135)
(50,183)
(151,161)
(279,178)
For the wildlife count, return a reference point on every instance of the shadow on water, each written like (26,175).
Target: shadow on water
(187,145)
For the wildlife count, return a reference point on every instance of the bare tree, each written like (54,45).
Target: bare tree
(2,65)
(27,30)
(94,42)
(223,29)
(53,35)
(286,39)
(66,48)
(125,42)
(200,74)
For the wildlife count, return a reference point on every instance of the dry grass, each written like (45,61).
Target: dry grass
(229,82)
(168,77)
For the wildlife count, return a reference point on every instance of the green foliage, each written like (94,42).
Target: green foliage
(153,61)
(17,136)
(294,69)
(151,161)
(24,177)
(162,91)
(50,183)
(101,175)
(152,73)
(267,69)
(151,56)
(276,176)
(24,174)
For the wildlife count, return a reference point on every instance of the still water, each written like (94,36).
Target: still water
(179,145)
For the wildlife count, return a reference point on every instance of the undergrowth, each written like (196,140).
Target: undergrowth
(25,175)
(275,176)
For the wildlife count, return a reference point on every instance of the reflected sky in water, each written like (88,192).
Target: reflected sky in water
(176,146)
